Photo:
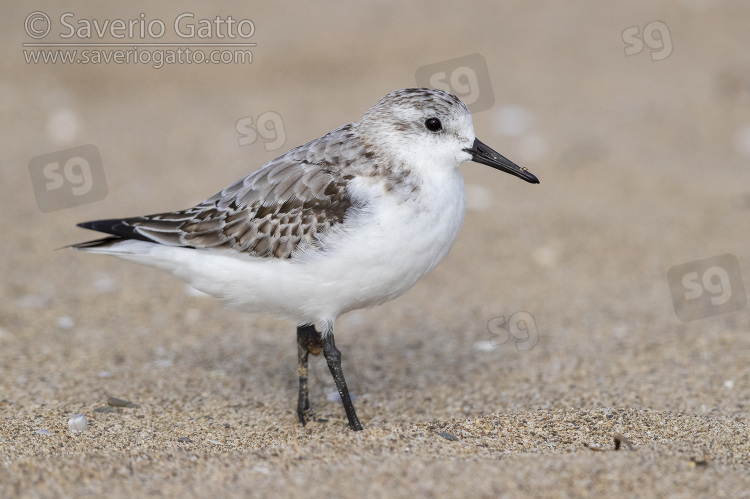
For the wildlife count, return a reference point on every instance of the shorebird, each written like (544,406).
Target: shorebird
(350,220)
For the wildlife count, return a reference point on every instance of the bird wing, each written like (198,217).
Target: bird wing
(283,208)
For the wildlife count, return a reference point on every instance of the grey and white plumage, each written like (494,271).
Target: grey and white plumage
(347,221)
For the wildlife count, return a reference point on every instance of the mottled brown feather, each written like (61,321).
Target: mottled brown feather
(276,212)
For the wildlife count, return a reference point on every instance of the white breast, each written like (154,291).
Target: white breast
(387,249)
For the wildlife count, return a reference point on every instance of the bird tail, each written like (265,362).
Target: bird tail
(113,246)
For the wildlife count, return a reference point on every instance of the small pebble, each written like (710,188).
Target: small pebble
(115,402)
(43,431)
(448,436)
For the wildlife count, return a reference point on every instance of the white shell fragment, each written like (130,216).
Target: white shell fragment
(742,141)
(484,346)
(62,126)
(335,397)
(78,423)
(65,322)
(513,120)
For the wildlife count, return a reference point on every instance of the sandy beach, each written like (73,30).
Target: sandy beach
(588,336)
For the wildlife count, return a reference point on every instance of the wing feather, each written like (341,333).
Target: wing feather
(276,212)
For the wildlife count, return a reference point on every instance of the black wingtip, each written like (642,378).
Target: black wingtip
(110,226)
(115,226)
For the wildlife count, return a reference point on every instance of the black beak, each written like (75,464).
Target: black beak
(481,153)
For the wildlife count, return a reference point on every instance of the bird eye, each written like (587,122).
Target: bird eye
(433,124)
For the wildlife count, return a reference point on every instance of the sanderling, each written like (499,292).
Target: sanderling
(350,220)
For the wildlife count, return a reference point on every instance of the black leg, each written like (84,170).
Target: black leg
(333,357)
(308,341)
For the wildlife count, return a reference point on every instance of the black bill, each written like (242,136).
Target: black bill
(482,153)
